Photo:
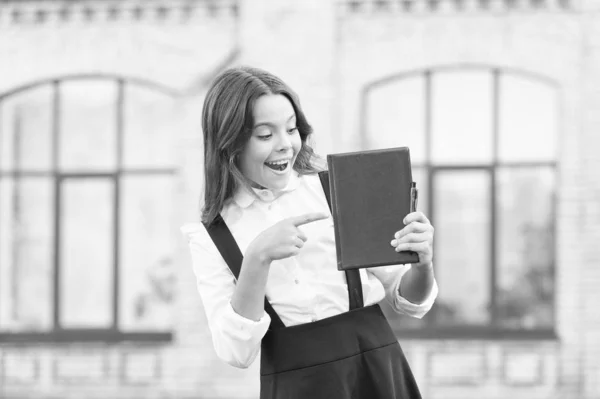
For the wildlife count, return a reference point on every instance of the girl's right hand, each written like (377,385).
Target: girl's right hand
(283,239)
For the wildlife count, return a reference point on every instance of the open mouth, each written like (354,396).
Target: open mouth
(279,166)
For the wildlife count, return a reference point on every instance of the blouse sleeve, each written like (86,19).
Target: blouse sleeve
(236,339)
(390,277)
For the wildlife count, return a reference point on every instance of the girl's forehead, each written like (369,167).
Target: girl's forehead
(272,108)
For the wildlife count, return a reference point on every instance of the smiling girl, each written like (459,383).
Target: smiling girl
(265,260)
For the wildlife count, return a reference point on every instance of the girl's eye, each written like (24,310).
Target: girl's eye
(293,130)
(265,136)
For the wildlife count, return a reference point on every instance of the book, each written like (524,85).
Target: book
(369,194)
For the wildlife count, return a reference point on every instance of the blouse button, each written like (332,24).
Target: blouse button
(267,195)
(296,281)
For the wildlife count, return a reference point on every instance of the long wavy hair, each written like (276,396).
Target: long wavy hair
(227,121)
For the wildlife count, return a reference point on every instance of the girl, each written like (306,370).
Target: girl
(321,331)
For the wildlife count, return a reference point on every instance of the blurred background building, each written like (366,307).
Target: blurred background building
(101,162)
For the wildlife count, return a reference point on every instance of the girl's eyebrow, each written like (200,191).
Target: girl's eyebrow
(270,124)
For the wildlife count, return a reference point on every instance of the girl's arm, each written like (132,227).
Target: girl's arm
(417,236)
(393,278)
(411,289)
(236,338)
(280,241)
(417,283)
(248,297)
(235,310)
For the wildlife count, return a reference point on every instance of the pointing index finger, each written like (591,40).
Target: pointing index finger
(308,218)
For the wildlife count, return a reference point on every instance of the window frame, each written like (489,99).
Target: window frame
(429,329)
(112,334)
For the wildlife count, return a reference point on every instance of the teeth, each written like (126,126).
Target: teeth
(278,162)
(278,165)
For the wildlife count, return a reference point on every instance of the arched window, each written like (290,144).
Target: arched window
(484,149)
(87,173)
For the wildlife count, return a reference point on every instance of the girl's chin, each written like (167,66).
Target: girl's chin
(273,183)
(271,179)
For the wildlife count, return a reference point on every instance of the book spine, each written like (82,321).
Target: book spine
(335,213)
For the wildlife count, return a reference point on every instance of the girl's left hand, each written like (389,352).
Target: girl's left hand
(416,236)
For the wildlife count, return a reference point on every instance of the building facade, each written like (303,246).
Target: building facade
(101,162)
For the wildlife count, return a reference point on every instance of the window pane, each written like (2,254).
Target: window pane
(26,130)
(147,251)
(462,246)
(396,116)
(149,122)
(528,120)
(86,253)
(88,120)
(461,112)
(26,254)
(526,247)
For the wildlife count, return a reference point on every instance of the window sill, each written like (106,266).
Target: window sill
(476,333)
(93,336)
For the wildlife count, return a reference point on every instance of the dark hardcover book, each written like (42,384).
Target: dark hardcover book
(369,193)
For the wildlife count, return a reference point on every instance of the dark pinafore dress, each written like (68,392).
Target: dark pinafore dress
(351,355)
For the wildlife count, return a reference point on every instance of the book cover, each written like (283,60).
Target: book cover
(370,196)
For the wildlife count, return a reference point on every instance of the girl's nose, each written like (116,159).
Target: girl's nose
(284,142)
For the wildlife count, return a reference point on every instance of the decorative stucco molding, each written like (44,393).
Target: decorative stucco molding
(40,12)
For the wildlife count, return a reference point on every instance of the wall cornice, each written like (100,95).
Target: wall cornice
(433,7)
(90,11)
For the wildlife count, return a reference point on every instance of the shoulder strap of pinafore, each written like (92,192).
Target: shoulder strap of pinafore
(355,294)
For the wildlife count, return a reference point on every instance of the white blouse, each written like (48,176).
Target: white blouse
(302,289)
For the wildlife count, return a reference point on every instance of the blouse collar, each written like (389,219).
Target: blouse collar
(244,198)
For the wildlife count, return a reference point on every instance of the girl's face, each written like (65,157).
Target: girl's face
(271,151)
